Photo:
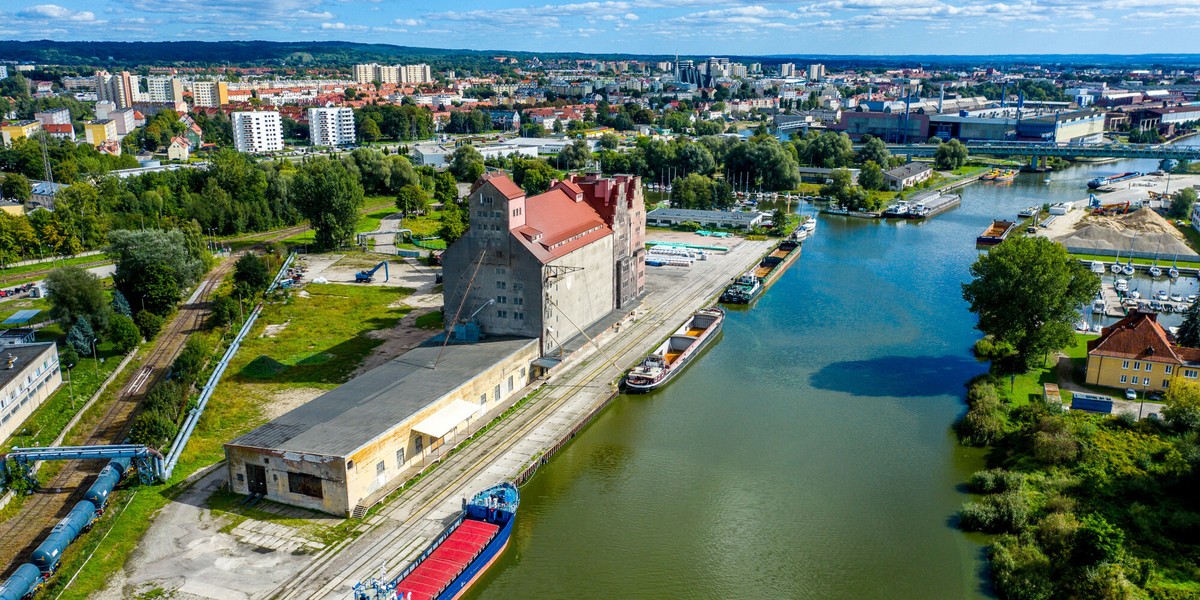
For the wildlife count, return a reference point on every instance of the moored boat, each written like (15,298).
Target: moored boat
(774,264)
(677,351)
(1028,212)
(1100,182)
(743,290)
(995,233)
(456,559)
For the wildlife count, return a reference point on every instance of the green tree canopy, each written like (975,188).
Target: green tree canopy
(1189,330)
(466,163)
(154,267)
(412,199)
(951,155)
(1181,203)
(329,196)
(17,187)
(453,223)
(76,294)
(576,155)
(870,177)
(1026,292)
(1183,405)
(123,333)
(250,276)
(873,150)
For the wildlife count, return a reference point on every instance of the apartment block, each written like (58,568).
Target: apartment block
(163,88)
(331,126)
(210,93)
(371,72)
(57,116)
(98,131)
(258,131)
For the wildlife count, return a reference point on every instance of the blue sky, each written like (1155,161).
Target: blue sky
(714,27)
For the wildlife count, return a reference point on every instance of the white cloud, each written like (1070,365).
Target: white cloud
(308,14)
(409,22)
(54,11)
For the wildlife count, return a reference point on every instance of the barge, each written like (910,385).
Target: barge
(1100,182)
(673,355)
(457,558)
(774,264)
(995,233)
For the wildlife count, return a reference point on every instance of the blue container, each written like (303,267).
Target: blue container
(108,479)
(26,580)
(50,551)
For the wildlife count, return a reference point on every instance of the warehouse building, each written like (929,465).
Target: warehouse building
(29,374)
(711,219)
(345,450)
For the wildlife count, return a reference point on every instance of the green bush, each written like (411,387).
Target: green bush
(166,398)
(153,428)
(981,426)
(1020,570)
(994,481)
(224,311)
(123,333)
(149,323)
(186,368)
(997,513)
(1098,541)
(989,348)
(688,226)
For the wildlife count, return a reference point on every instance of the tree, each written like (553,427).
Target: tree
(445,189)
(826,150)
(466,163)
(17,187)
(154,266)
(123,333)
(75,295)
(950,156)
(329,196)
(149,323)
(1189,330)
(67,356)
(412,199)
(250,276)
(576,155)
(610,141)
(453,224)
(870,177)
(874,150)
(17,238)
(1183,405)
(779,222)
(152,428)
(81,336)
(120,305)
(1026,292)
(369,130)
(534,175)
(1181,203)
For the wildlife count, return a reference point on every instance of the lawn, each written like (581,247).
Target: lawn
(1139,261)
(1026,387)
(14,272)
(322,343)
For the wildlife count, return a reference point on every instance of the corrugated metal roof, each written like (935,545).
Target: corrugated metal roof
(347,418)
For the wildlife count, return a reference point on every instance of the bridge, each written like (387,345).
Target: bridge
(1044,149)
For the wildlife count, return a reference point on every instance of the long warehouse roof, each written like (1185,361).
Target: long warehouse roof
(352,415)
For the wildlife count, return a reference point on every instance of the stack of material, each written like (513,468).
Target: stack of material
(1143,231)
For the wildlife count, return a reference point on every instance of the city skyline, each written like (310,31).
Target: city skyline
(864,27)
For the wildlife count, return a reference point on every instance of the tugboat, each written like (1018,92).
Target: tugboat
(674,354)
(456,559)
(743,290)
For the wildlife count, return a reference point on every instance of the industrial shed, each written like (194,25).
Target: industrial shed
(354,443)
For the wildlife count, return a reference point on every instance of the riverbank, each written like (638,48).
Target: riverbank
(510,448)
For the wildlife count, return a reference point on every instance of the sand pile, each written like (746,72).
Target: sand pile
(1142,231)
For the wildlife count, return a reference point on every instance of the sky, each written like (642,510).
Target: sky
(711,27)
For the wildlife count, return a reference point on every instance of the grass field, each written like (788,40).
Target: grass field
(323,341)
(1028,386)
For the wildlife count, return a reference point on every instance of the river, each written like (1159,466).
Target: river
(809,453)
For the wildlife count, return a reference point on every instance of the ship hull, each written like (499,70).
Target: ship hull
(480,565)
(636,386)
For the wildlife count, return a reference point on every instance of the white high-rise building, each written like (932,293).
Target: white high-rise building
(164,88)
(787,70)
(210,93)
(3,72)
(258,131)
(331,126)
(371,72)
(816,72)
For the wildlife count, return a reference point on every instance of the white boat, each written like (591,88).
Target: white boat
(1115,267)
(1127,269)
(1082,326)
(1121,285)
(1155,271)
(1136,295)
(1161,295)
(1191,298)
(1098,306)
(1176,297)
(1173,273)
(809,225)
(1097,267)
(1097,328)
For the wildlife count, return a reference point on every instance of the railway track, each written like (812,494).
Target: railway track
(332,573)
(23,531)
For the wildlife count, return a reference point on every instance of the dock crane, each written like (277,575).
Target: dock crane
(369,276)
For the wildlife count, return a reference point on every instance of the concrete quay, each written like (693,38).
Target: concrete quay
(582,384)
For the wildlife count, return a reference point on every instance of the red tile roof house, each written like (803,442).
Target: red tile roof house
(1136,352)
(547,266)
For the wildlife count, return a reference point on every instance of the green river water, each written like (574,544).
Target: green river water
(808,453)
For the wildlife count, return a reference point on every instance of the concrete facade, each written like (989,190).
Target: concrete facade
(29,374)
(331,126)
(363,438)
(1137,353)
(257,131)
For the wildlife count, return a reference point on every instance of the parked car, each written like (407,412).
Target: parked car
(1130,394)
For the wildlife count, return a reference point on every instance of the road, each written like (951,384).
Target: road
(397,532)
